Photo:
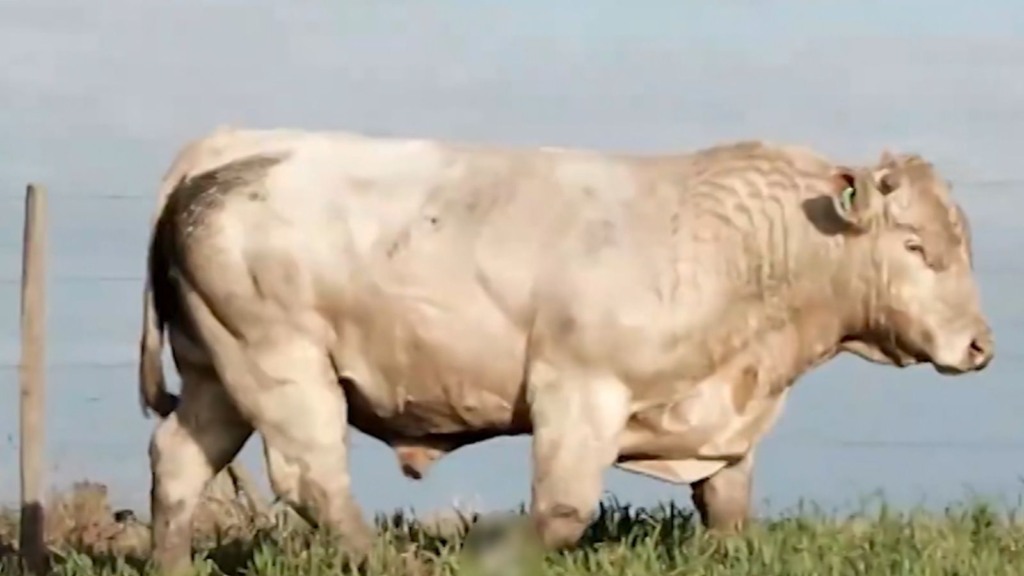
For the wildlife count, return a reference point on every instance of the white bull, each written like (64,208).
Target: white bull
(648,312)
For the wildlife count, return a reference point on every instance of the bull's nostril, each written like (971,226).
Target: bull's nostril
(981,350)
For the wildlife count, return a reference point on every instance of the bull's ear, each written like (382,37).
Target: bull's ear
(888,173)
(887,180)
(856,196)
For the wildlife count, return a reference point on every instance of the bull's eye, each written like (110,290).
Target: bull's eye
(914,245)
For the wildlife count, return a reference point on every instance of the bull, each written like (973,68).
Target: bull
(645,312)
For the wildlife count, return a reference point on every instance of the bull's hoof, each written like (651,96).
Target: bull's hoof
(561,526)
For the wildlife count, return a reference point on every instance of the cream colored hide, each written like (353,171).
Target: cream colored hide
(648,312)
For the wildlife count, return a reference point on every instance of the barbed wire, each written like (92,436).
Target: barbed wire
(85,279)
(138,279)
(150,196)
(80,364)
(974,444)
(91,197)
(1002,357)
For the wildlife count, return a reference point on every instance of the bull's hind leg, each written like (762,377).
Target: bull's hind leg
(723,499)
(577,420)
(186,451)
(304,423)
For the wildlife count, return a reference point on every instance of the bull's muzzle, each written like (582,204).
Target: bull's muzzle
(971,352)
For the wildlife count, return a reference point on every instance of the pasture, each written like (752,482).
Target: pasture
(967,538)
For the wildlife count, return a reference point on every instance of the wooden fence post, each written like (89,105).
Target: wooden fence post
(32,379)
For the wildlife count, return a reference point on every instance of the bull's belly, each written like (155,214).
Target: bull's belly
(447,377)
(476,414)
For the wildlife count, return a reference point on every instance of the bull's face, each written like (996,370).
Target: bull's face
(921,297)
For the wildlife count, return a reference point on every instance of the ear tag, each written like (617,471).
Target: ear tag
(846,198)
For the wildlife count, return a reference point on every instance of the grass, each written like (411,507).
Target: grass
(965,539)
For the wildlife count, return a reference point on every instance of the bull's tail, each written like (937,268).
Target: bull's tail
(153,393)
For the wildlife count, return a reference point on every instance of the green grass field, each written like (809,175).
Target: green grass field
(969,538)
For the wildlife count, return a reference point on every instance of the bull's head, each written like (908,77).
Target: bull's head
(908,247)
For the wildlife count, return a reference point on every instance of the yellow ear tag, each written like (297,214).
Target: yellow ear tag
(846,199)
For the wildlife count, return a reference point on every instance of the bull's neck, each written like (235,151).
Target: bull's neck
(824,310)
(853,287)
(793,281)
(823,292)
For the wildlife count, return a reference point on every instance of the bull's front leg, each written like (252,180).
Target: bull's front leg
(723,499)
(577,420)
(766,369)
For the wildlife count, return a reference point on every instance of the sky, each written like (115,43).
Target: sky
(96,98)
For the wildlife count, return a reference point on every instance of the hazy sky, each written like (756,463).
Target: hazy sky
(96,98)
